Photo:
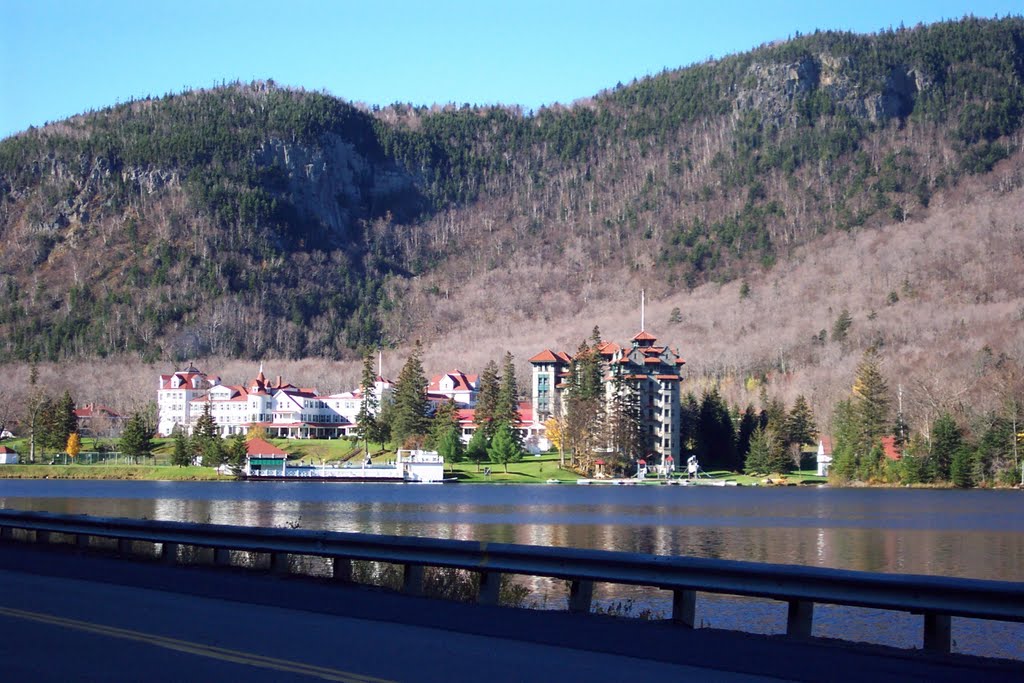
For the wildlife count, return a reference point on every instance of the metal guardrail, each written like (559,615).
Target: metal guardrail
(936,598)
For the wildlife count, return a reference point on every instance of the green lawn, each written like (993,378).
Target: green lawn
(147,472)
(531,469)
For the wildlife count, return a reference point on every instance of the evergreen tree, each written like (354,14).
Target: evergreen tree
(182,454)
(946,441)
(716,437)
(237,454)
(136,440)
(66,422)
(507,408)
(749,423)
(913,466)
(214,452)
(689,409)
(961,467)
(841,326)
(767,453)
(366,419)
(48,429)
(411,404)
(800,427)
(446,417)
(476,449)
(450,446)
(846,430)
(504,448)
(488,390)
(871,399)
(205,439)
(205,427)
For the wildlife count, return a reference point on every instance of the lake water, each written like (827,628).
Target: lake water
(976,534)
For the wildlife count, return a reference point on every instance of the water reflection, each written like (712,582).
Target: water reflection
(952,533)
(977,534)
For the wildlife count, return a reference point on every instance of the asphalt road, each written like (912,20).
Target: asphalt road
(68,617)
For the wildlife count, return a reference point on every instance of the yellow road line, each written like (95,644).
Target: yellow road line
(199,649)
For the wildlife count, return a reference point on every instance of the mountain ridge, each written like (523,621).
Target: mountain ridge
(252,221)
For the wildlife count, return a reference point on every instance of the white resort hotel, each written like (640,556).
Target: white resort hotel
(284,410)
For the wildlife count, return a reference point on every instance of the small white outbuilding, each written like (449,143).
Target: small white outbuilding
(8,456)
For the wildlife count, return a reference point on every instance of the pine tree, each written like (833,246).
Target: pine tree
(136,440)
(871,399)
(716,438)
(476,449)
(946,441)
(488,390)
(205,441)
(749,423)
(961,468)
(689,409)
(47,431)
(800,427)
(767,453)
(182,454)
(66,421)
(206,427)
(507,408)
(411,405)
(446,417)
(366,419)
(504,448)
(450,446)
(237,454)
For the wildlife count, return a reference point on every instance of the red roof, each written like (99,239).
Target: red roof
(460,381)
(643,335)
(257,447)
(890,449)
(91,410)
(545,356)
(5,449)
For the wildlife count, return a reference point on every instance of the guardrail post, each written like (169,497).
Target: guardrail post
(938,632)
(221,557)
(82,541)
(342,569)
(279,563)
(800,618)
(580,594)
(412,579)
(6,533)
(124,546)
(170,553)
(490,588)
(42,536)
(684,607)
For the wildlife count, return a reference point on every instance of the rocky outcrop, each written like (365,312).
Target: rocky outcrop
(333,184)
(773,89)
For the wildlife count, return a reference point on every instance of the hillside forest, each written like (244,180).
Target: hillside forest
(786,210)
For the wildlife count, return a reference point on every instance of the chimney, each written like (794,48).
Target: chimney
(279,381)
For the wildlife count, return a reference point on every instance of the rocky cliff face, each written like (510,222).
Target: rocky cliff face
(333,184)
(772,89)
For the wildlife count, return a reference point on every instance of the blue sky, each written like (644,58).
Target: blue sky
(63,57)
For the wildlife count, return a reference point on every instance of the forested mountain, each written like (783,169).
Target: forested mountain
(252,220)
